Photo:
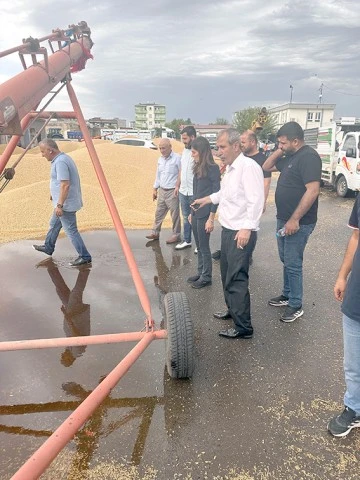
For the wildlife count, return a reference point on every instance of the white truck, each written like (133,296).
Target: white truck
(339,148)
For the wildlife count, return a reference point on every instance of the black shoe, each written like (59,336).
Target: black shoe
(342,424)
(291,314)
(280,301)
(80,261)
(216,255)
(222,315)
(42,249)
(201,283)
(232,333)
(193,279)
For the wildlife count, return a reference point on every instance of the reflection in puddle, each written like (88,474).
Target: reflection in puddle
(129,419)
(76,313)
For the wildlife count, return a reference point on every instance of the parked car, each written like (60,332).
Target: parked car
(136,142)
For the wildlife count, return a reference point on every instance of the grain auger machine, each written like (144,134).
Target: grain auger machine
(20,98)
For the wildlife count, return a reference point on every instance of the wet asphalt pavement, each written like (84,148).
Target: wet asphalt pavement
(254,409)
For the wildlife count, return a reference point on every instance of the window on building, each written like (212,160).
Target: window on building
(317,116)
(150,115)
(310,116)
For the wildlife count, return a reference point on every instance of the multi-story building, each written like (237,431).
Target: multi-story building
(150,115)
(308,115)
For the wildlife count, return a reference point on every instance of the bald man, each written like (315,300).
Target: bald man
(167,172)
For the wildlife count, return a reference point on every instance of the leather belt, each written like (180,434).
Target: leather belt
(167,189)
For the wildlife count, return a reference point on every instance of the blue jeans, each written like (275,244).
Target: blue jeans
(291,252)
(185,202)
(202,240)
(68,222)
(351,331)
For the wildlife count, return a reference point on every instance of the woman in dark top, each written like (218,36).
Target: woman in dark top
(206,181)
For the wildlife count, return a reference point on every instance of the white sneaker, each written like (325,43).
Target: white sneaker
(196,251)
(181,246)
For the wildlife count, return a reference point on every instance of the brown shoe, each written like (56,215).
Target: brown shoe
(152,236)
(172,239)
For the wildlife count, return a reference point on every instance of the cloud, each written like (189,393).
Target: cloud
(202,59)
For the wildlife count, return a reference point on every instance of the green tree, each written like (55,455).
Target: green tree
(158,132)
(220,121)
(176,123)
(244,118)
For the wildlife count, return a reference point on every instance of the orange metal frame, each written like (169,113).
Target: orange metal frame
(19,97)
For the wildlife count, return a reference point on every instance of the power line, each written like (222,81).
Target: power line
(341,93)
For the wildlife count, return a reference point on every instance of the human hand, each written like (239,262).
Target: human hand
(291,227)
(339,289)
(154,195)
(58,212)
(242,238)
(189,218)
(209,226)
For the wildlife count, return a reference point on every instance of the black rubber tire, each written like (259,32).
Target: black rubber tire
(342,188)
(180,340)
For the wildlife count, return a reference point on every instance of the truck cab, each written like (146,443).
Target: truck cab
(347,170)
(339,148)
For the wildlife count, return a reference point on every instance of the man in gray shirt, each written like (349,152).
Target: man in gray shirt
(164,191)
(66,197)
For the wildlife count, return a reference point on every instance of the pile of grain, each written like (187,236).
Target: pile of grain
(25,207)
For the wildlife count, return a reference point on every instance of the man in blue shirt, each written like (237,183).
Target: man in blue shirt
(347,290)
(164,191)
(66,197)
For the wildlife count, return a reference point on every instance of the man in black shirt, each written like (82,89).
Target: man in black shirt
(348,291)
(296,199)
(249,147)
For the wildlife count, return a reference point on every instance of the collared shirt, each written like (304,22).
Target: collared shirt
(167,171)
(187,175)
(241,196)
(63,168)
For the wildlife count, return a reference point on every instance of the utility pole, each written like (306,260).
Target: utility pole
(291,93)
(321,92)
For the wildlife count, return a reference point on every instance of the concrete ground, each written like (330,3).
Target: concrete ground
(254,409)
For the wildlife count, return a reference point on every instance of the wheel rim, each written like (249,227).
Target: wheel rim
(342,186)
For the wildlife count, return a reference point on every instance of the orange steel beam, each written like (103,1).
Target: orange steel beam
(10,147)
(9,150)
(77,341)
(139,284)
(53,36)
(41,459)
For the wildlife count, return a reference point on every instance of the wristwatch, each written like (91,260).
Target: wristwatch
(59,205)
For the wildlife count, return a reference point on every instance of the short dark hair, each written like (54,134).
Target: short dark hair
(189,130)
(291,131)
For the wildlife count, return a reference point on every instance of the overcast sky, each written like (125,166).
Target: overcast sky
(202,58)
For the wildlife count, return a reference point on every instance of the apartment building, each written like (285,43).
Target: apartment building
(149,115)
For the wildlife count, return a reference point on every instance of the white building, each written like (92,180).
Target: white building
(150,115)
(308,115)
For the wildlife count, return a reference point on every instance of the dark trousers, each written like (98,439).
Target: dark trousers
(234,266)
(202,243)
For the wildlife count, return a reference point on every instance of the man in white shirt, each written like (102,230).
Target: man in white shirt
(184,186)
(241,202)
